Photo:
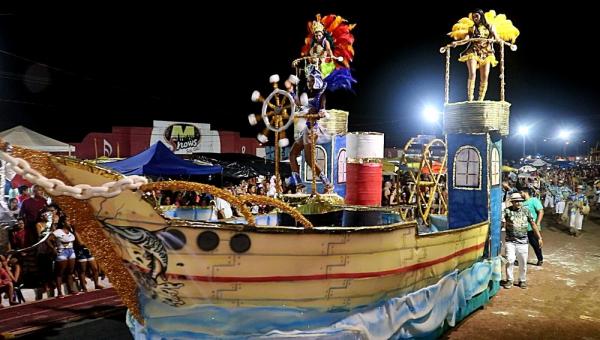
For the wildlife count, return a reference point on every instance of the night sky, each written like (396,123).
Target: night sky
(106,64)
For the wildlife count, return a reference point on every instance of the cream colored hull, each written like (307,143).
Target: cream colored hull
(315,270)
(323,267)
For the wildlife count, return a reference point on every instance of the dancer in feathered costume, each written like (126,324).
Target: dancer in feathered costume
(480,54)
(328,49)
(329,39)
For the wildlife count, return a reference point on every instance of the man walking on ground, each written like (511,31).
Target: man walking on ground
(516,220)
(537,212)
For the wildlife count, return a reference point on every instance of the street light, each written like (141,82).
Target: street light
(430,115)
(523,131)
(564,135)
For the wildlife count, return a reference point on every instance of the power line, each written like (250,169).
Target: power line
(25,78)
(44,65)
(16,101)
(76,75)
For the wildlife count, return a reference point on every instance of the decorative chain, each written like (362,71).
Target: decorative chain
(57,187)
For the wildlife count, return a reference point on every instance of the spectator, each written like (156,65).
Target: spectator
(23,194)
(17,235)
(6,281)
(85,262)
(13,207)
(29,211)
(63,239)
(47,221)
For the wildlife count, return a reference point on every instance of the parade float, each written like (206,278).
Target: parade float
(348,270)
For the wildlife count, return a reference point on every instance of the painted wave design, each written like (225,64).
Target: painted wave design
(419,314)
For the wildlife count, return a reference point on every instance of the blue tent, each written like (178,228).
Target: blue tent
(158,160)
(564,164)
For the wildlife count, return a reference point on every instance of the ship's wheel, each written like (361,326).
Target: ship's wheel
(277,112)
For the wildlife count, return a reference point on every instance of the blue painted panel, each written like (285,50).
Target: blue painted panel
(496,208)
(340,143)
(495,217)
(467,207)
(332,149)
(328,150)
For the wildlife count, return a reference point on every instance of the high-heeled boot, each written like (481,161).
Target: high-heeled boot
(482,90)
(470,89)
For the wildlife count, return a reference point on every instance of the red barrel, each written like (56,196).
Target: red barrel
(363,183)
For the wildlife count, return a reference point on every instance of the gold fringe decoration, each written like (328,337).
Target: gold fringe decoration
(90,230)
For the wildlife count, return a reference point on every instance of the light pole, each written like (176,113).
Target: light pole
(523,131)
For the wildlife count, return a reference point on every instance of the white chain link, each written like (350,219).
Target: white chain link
(57,187)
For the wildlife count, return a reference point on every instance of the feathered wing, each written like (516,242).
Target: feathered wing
(340,79)
(339,34)
(504,27)
(461,28)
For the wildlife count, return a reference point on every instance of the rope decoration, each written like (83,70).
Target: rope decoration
(502,80)
(447,79)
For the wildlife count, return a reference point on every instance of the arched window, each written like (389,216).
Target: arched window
(495,171)
(467,168)
(321,157)
(341,166)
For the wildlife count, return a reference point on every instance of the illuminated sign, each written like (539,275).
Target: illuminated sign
(182,136)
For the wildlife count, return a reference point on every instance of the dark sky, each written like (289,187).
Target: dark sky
(111,64)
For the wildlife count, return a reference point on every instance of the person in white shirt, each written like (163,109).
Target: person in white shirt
(64,264)
(221,209)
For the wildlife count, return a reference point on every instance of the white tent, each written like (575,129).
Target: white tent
(527,168)
(539,163)
(22,136)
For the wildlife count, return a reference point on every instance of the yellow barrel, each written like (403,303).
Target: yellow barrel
(336,123)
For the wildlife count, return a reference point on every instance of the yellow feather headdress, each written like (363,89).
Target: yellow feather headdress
(504,27)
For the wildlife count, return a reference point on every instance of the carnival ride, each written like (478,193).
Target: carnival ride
(425,162)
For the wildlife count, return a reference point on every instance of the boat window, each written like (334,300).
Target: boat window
(495,166)
(321,157)
(467,168)
(341,164)
(240,243)
(208,240)
(173,239)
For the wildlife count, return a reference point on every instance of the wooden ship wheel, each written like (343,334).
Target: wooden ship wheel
(277,113)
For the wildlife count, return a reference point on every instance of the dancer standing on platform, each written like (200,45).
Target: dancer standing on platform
(479,54)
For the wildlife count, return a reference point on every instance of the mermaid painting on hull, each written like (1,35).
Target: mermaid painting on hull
(327,54)
(148,251)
